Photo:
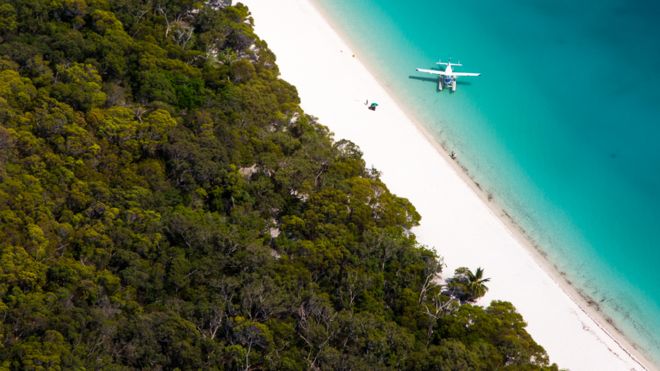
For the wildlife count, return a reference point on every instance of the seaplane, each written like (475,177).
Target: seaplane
(447,78)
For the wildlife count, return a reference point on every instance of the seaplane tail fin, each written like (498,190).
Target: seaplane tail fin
(459,74)
(441,63)
(433,72)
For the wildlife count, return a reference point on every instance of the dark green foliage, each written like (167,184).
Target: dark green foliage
(467,286)
(165,203)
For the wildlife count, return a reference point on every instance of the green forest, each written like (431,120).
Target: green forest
(166,204)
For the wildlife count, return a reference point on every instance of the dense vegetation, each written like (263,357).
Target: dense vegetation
(165,203)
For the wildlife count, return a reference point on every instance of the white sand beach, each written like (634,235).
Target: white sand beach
(457,220)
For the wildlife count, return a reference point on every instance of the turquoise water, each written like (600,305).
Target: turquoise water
(563,127)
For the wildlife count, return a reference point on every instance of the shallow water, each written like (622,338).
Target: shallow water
(563,127)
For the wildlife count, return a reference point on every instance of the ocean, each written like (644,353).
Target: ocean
(562,128)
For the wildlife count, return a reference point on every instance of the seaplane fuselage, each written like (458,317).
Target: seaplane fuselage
(447,80)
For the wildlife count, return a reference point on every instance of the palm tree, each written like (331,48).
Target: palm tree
(467,286)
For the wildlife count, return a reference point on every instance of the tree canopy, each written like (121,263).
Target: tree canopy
(165,203)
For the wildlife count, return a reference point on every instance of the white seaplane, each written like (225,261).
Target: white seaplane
(447,78)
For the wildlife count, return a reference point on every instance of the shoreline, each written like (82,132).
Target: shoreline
(603,337)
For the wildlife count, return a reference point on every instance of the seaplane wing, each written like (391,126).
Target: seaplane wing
(434,72)
(459,74)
